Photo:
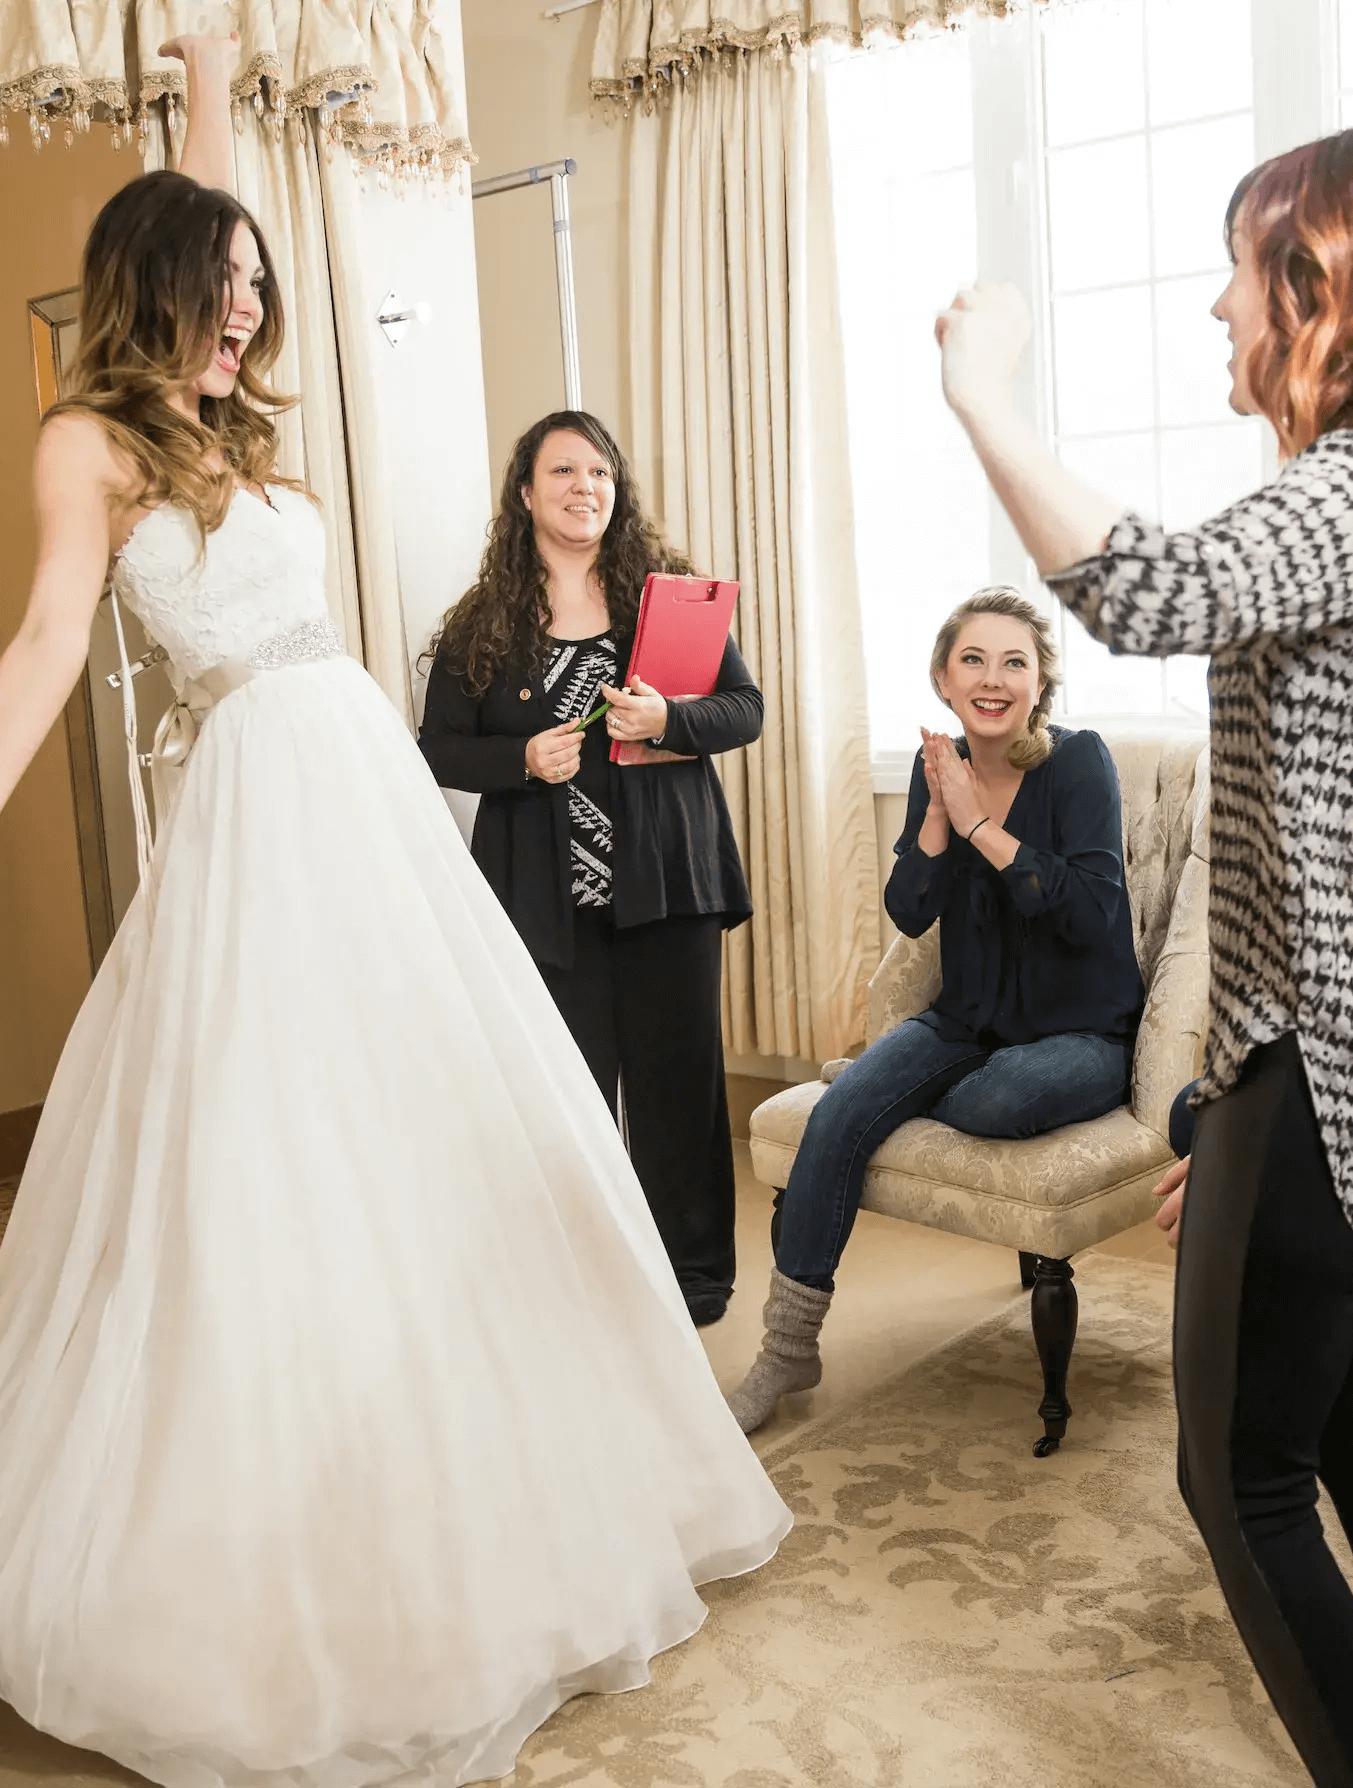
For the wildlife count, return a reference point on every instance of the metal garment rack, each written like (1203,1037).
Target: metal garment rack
(557,174)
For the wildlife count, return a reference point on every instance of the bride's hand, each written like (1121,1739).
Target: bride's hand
(204,48)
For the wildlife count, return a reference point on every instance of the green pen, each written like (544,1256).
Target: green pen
(596,714)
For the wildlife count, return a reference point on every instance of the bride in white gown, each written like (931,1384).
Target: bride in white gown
(351,1418)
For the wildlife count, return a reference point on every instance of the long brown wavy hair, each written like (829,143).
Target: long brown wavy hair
(1297,211)
(502,620)
(153,287)
(1034,746)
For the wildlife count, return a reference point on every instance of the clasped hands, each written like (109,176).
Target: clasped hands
(954,793)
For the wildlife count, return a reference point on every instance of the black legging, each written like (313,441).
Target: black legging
(643,1007)
(1264,1382)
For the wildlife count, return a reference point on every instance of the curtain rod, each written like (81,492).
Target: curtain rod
(557,12)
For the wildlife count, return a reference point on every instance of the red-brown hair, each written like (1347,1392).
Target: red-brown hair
(1297,213)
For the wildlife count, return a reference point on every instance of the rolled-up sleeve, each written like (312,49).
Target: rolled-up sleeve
(1272,566)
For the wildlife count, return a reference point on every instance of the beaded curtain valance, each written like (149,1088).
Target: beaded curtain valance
(376,73)
(643,45)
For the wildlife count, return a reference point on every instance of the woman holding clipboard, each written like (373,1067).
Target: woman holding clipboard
(620,877)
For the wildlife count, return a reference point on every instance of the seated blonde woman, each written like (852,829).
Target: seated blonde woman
(1014,841)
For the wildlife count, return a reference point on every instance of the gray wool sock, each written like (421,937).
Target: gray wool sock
(789,1359)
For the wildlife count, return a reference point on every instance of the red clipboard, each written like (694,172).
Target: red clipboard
(679,640)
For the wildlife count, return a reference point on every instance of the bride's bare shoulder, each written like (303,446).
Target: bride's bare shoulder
(79,459)
(78,443)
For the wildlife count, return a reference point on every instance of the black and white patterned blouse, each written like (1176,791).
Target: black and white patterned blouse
(1266,588)
(574,673)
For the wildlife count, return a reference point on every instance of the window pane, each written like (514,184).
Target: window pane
(939,211)
(1204,469)
(1346,43)
(1097,214)
(1191,352)
(1194,171)
(1102,355)
(1122,468)
(1199,56)
(1102,687)
(908,107)
(912,573)
(1094,76)
(1186,688)
(921,506)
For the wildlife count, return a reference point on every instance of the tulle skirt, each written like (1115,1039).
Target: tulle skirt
(351,1418)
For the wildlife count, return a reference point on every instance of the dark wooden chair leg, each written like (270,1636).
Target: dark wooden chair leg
(1028,1266)
(1053,1308)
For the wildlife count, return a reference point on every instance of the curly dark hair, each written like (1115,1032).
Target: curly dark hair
(502,619)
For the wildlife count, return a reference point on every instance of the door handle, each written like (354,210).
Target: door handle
(147,660)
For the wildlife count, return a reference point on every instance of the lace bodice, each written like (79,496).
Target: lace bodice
(261,576)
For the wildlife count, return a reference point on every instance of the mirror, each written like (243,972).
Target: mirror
(98,750)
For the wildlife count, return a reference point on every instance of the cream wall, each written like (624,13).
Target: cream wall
(48,202)
(430,395)
(526,79)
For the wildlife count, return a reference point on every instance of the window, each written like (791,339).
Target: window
(1087,152)
(1343,63)
(909,216)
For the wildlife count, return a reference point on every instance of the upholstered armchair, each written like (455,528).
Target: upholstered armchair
(1051,1196)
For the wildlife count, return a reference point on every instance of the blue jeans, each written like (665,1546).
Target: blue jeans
(1182,1121)
(913,1072)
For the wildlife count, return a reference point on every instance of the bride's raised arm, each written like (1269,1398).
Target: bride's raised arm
(76,477)
(209,146)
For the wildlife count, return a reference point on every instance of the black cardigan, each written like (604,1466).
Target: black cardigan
(674,852)
(1045,946)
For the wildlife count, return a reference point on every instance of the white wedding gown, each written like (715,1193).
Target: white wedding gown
(351,1418)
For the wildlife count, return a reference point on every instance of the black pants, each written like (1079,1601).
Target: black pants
(643,1007)
(1264,1381)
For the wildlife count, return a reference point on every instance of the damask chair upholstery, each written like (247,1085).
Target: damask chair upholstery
(1051,1196)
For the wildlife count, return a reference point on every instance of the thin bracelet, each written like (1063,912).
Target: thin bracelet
(982,822)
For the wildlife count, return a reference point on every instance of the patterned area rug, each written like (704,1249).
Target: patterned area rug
(950,1611)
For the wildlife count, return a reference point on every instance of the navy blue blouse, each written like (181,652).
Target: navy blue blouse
(1045,946)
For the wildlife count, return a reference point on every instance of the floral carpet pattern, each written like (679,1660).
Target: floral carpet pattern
(950,1611)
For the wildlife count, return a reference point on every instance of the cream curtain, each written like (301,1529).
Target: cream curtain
(378,73)
(642,45)
(303,196)
(739,416)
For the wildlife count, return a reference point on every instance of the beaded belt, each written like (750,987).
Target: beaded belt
(194,699)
